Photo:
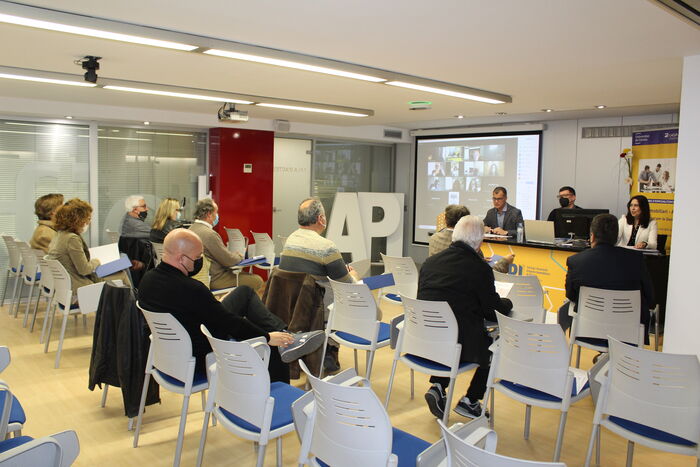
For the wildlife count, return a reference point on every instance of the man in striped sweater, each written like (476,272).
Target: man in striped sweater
(307,251)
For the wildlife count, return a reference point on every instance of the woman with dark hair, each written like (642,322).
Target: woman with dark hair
(637,228)
(68,247)
(45,209)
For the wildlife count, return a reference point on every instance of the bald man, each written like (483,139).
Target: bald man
(169,288)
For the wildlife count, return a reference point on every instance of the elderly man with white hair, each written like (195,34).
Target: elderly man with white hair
(133,225)
(460,277)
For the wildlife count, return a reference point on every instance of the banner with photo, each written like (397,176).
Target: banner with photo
(654,172)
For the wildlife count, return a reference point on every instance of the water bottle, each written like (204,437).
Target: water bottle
(521,232)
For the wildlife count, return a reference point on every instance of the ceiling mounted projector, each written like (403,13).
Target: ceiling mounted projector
(228,112)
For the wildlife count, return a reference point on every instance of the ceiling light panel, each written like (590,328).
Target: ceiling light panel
(446,92)
(39,79)
(291,64)
(177,94)
(313,109)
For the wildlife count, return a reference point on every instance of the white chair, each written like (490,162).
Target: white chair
(362,267)
(46,290)
(353,322)
(463,453)
(237,242)
(650,398)
(12,416)
(171,363)
(428,343)
(112,237)
(601,313)
(531,365)
(63,302)
(157,252)
(30,276)
(527,296)
(242,398)
(405,278)
(266,247)
(14,268)
(58,450)
(349,427)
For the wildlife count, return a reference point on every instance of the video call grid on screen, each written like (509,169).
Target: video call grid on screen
(464,169)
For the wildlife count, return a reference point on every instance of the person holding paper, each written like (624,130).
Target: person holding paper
(206,215)
(45,209)
(68,247)
(443,239)
(502,218)
(637,228)
(170,288)
(460,277)
(167,219)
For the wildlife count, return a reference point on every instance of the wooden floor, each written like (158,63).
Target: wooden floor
(56,400)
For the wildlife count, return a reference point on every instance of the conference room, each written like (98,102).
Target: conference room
(387,113)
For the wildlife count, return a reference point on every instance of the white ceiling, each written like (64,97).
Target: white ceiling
(562,54)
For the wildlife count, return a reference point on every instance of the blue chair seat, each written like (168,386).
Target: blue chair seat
(527,391)
(12,443)
(199,378)
(36,278)
(430,364)
(47,290)
(17,414)
(404,445)
(284,396)
(74,306)
(384,333)
(393,296)
(599,342)
(649,432)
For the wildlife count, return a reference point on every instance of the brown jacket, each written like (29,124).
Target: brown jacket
(42,236)
(298,301)
(221,258)
(71,251)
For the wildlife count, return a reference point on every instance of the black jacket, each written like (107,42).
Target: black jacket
(120,348)
(610,267)
(460,277)
(166,289)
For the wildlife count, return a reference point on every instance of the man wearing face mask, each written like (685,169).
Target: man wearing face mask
(169,288)
(567,198)
(133,224)
(206,215)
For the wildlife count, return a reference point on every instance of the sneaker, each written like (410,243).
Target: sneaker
(304,343)
(469,409)
(435,398)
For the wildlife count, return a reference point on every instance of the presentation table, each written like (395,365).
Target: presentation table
(547,262)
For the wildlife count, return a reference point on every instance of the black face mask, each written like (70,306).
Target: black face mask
(198,263)
(563,202)
(143,215)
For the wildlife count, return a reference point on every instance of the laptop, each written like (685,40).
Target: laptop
(539,232)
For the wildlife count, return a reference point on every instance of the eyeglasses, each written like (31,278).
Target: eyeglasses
(193,260)
(143,206)
(564,196)
(497,199)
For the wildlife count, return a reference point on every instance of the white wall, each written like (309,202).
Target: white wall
(682,317)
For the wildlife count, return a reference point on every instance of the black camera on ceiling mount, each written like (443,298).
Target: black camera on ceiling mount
(91,65)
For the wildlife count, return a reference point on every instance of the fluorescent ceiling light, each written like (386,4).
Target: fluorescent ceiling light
(47,80)
(312,109)
(290,64)
(446,92)
(35,23)
(178,94)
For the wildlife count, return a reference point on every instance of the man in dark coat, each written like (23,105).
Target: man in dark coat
(460,277)
(606,266)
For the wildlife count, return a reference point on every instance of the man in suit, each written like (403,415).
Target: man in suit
(459,276)
(206,216)
(502,218)
(606,266)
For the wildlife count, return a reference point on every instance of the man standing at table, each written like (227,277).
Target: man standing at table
(567,200)
(206,216)
(460,277)
(502,218)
